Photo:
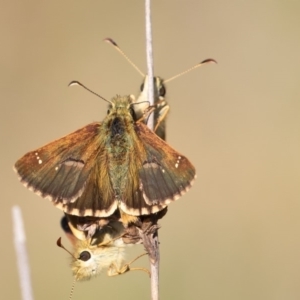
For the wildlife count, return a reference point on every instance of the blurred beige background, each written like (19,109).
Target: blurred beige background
(235,235)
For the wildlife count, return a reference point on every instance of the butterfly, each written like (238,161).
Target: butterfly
(162,106)
(117,164)
(106,250)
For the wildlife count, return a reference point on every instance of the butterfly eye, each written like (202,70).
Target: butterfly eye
(142,87)
(85,256)
(162,91)
(108,111)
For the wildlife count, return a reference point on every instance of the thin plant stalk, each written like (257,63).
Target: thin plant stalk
(150,241)
(21,253)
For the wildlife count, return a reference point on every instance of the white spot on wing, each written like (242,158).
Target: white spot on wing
(177,162)
(40,161)
(76,164)
(151,165)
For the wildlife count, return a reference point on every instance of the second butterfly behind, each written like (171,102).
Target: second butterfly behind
(117,164)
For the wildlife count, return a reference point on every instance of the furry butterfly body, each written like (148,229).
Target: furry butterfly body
(117,164)
(105,251)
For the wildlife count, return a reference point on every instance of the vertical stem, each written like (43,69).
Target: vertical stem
(21,252)
(149,56)
(150,241)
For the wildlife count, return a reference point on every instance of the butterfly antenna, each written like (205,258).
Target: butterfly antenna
(206,61)
(59,244)
(114,44)
(75,82)
(72,290)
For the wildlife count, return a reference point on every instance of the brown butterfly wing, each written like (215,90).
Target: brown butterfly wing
(164,175)
(97,199)
(63,171)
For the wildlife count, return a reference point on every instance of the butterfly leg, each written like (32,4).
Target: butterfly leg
(114,270)
(162,115)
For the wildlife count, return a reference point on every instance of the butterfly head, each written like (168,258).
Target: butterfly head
(159,88)
(89,260)
(121,107)
(159,93)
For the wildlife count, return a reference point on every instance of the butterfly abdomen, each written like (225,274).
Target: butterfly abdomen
(120,141)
